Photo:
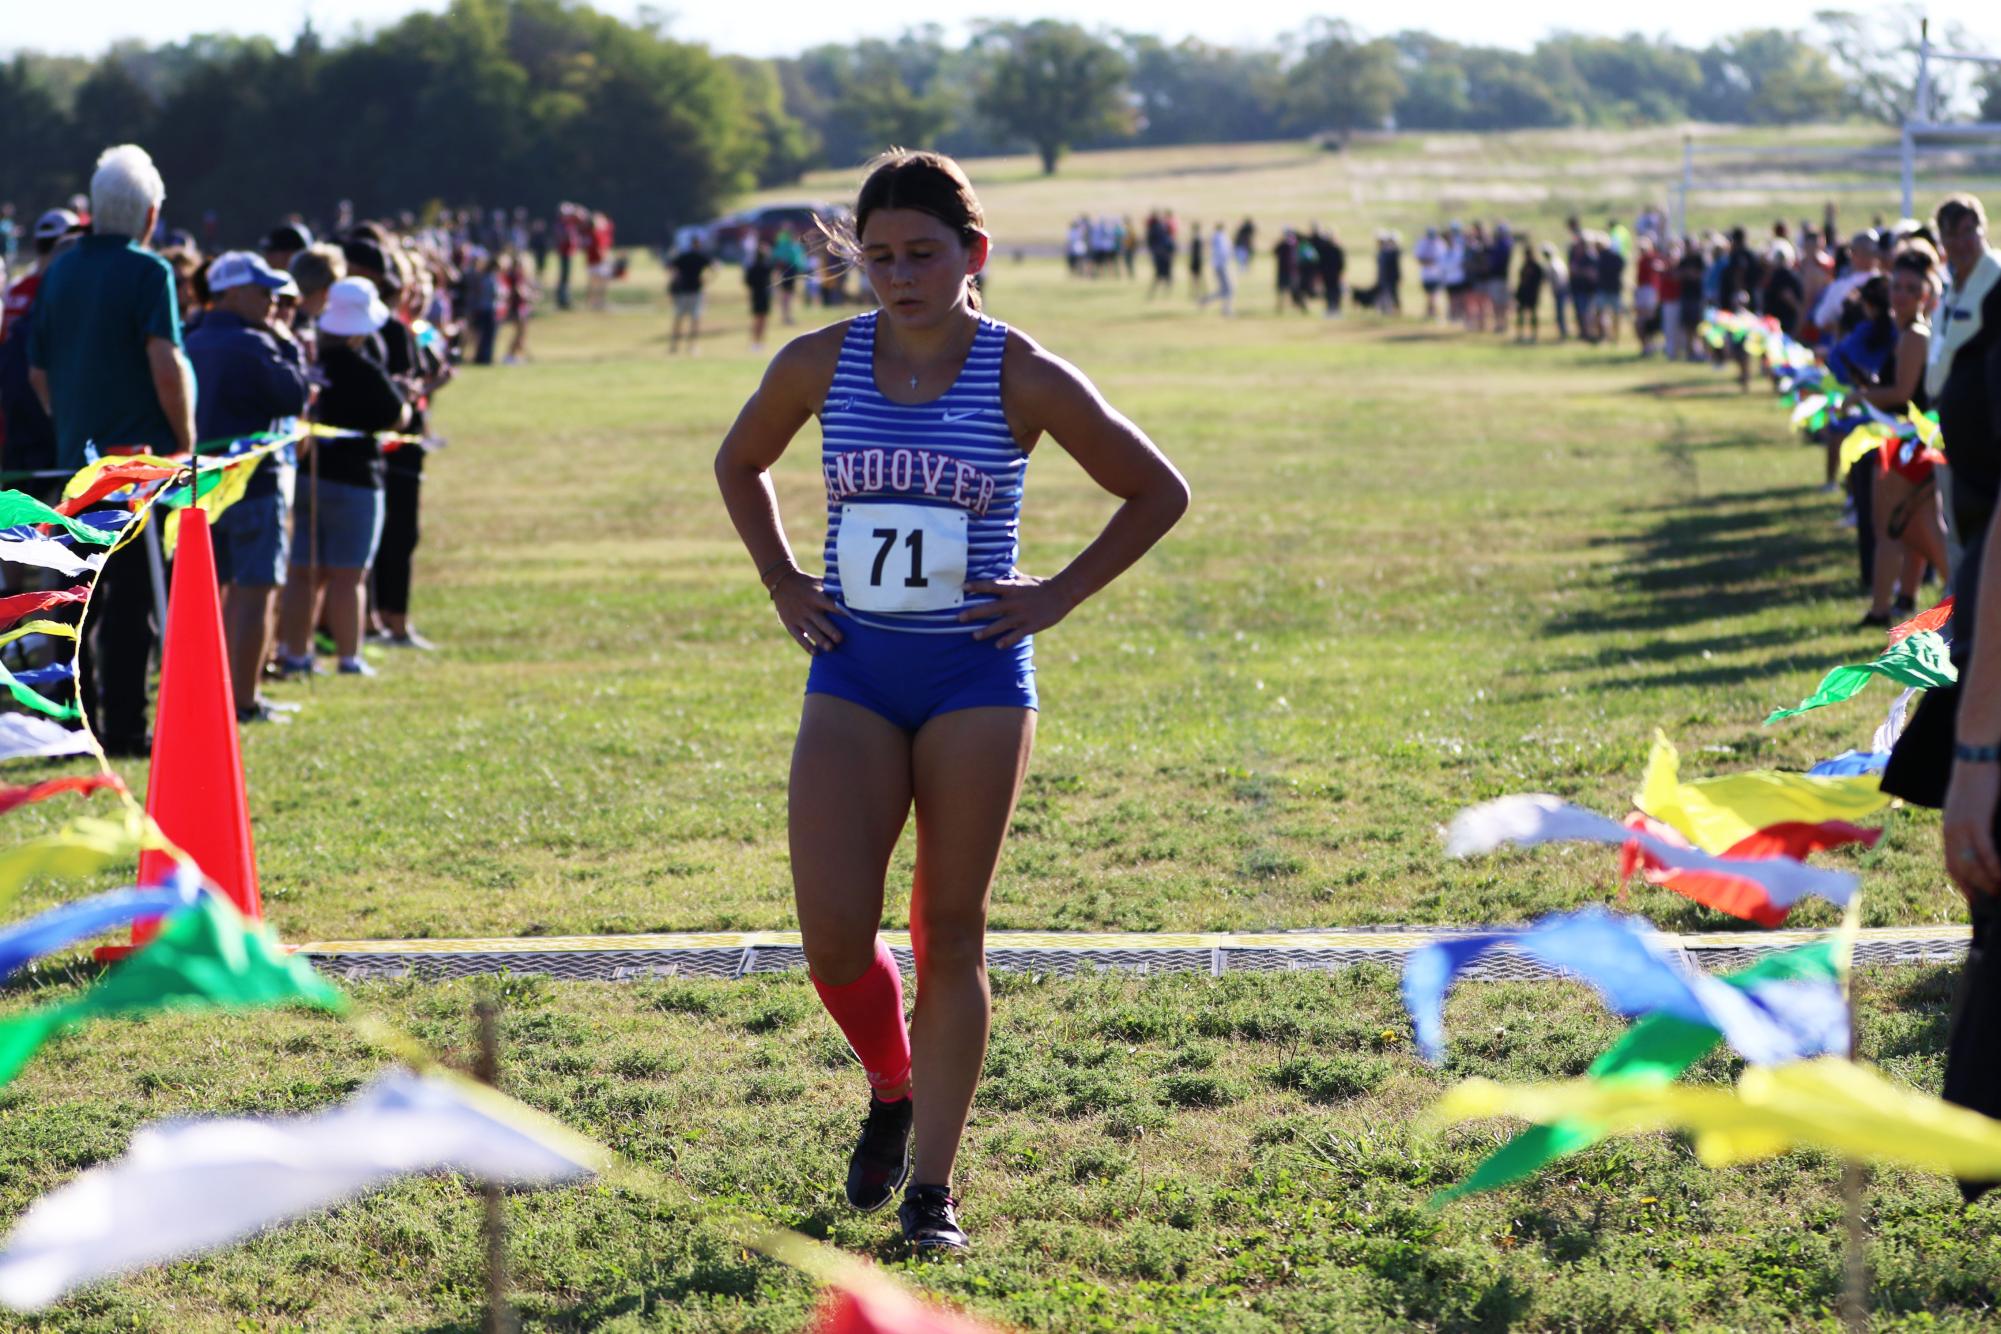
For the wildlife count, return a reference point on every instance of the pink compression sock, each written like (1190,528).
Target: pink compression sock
(869,1011)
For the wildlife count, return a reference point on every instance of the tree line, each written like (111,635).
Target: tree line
(529,102)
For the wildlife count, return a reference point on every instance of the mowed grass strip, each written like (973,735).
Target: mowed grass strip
(1167,1153)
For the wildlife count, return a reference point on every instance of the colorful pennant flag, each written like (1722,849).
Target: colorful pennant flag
(27,696)
(1851,762)
(17,605)
(1657,1049)
(1936,619)
(1767,1022)
(1715,813)
(190,1186)
(63,926)
(1921,659)
(205,955)
(81,784)
(48,554)
(96,480)
(18,508)
(1832,1104)
(23,737)
(1771,883)
(1727,891)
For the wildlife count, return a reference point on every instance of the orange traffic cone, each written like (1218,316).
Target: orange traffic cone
(195,790)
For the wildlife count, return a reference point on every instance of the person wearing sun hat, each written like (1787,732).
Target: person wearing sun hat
(340,504)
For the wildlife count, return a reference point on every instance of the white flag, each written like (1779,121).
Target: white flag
(195,1185)
(49,554)
(1540,818)
(23,735)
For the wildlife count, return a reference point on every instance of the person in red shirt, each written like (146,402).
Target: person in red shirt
(597,255)
(27,437)
(1674,338)
(1648,270)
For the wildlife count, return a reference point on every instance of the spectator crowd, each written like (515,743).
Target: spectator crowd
(123,336)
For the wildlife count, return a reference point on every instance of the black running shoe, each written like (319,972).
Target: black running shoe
(930,1221)
(881,1159)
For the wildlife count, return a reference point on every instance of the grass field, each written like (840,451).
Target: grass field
(1421,569)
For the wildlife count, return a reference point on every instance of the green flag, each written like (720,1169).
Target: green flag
(1923,660)
(18,508)
(1656,1050)
(205,955)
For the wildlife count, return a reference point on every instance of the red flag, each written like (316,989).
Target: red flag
(1737,895)
(1925,620)
(114,477)
(15,607)
(10,797)
(874,1306)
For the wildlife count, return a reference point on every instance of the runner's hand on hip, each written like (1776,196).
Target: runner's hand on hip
(1023,605)
(806,612)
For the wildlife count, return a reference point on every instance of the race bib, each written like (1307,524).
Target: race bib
(902,557)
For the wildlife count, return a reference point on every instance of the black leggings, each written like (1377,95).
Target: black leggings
(400,493)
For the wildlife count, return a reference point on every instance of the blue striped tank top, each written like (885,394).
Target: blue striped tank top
(954,451)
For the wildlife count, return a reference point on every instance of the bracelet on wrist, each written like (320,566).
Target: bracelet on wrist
(779,567)
(1966,754)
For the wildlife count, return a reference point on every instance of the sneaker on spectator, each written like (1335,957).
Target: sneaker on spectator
(409,639)
(355,667)
(289,666)
(261,712)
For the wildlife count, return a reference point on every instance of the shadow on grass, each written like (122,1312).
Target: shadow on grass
(1705,560)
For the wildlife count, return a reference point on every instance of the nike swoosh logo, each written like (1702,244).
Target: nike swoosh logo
(961,416)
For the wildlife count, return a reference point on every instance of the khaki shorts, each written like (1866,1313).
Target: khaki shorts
(688,304)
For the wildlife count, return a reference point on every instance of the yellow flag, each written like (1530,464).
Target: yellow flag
(1827,1103)
(1859,442)
(82,847)
(226,492)
(56,628)
(1716,813)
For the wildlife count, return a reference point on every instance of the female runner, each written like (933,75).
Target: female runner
(921,690)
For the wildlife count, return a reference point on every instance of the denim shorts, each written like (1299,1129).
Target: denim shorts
(349,527)
(252,541)
(910,677)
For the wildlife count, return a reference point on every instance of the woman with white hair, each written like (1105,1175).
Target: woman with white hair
(340,504)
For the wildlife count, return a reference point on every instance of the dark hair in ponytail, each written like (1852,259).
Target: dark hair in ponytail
(922,182)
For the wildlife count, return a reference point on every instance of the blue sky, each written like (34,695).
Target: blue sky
(778,27)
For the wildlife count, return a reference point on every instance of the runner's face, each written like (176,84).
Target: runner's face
(917,265)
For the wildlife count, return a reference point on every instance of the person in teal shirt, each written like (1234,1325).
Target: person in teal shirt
(105,351)
(104,357)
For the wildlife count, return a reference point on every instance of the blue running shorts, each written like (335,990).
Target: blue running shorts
(911,678)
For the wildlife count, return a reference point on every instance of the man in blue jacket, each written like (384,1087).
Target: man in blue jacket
(250,379)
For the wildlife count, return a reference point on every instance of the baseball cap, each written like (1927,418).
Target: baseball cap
(287,236)
(239,268)
(353,308)
(56,222)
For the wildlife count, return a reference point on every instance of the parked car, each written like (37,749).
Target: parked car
(728,237)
